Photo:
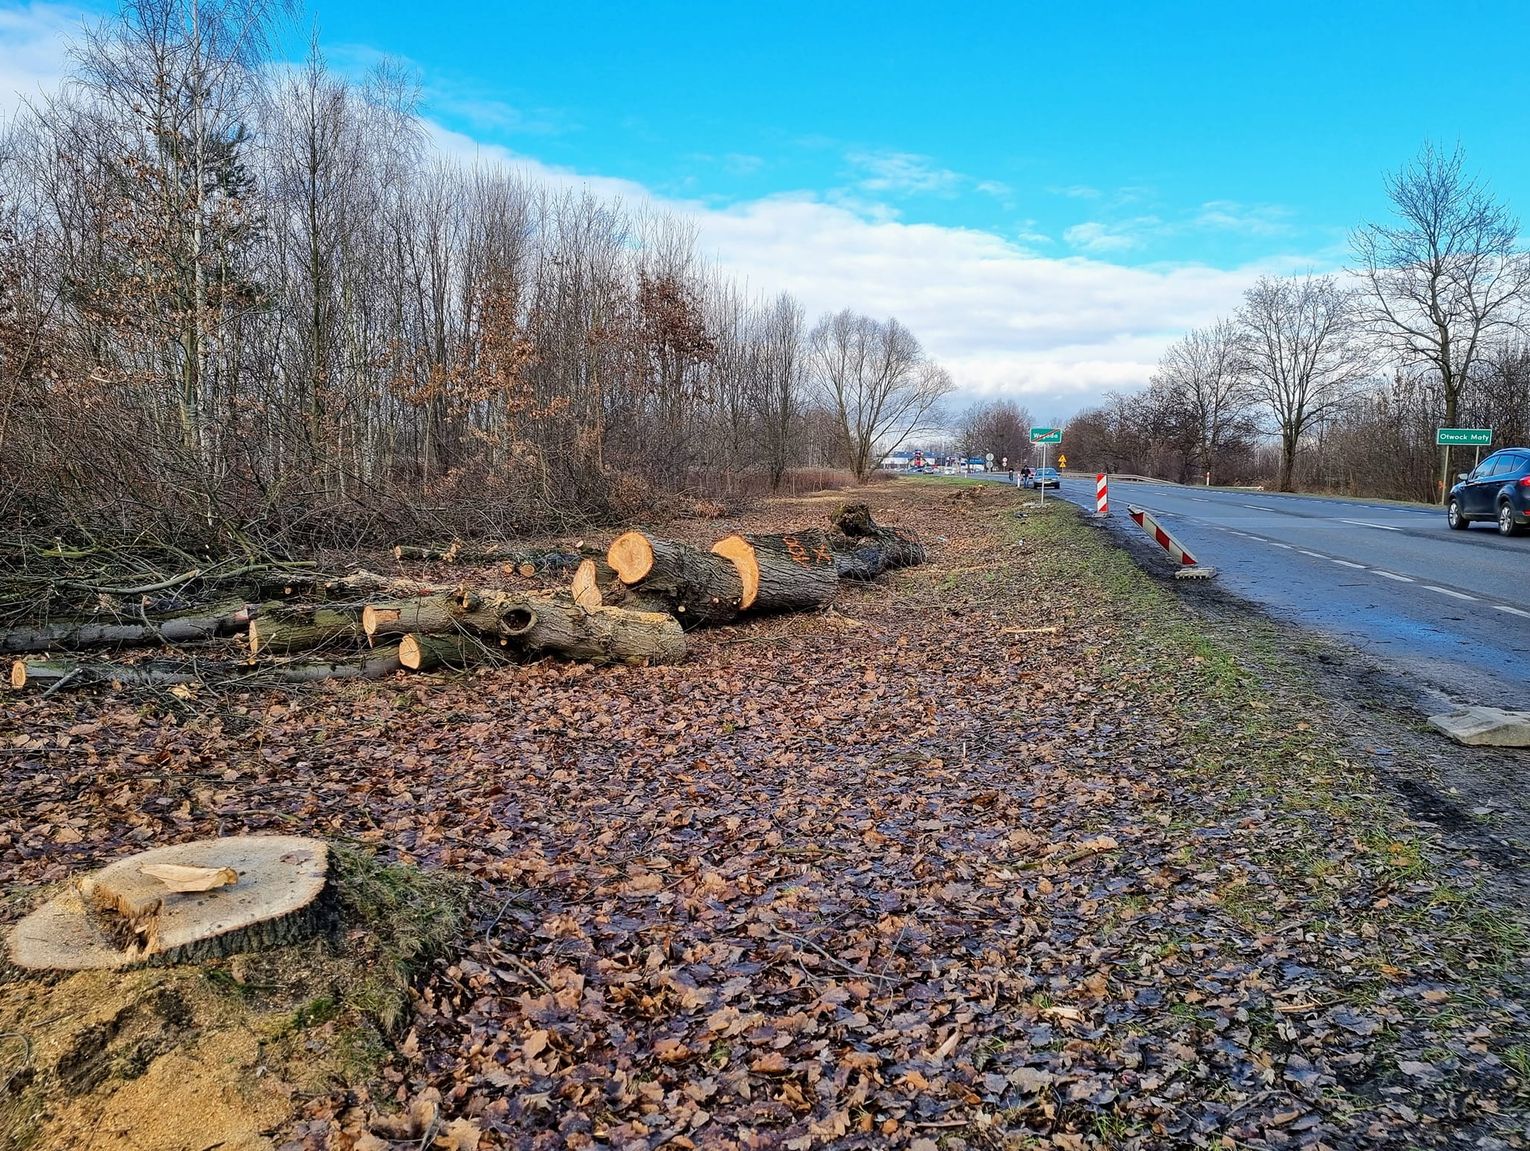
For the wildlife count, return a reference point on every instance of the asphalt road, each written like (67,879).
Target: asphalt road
(1448,609)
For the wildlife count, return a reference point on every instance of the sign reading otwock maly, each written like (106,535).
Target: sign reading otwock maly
(1463,437)
(1046,435)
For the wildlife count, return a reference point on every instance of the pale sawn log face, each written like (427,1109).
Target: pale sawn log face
(632,556)
(791,571)
(273,901)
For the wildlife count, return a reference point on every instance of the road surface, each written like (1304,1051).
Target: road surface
(1450,609)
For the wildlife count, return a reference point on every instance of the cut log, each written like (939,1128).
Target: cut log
(794,572)
(55,675)
(866,549)
(585,586)
(203,624)
(125,915)
(427,652)
(696,587)
(285,630)
(596,584)
(537,625)
(524,561)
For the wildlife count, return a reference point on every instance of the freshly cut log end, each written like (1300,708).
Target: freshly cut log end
(790,572)
(375,616)
(741,552)
(585,587)
(124,916)
(631,555)
(288,632)
(18,674)
(429,652)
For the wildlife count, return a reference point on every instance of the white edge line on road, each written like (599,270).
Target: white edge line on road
(1254,507)
(1378,527)
(1346,563)
(1314,555)
(1511,610)
(1273,544)
(1393,575)
(1447,591)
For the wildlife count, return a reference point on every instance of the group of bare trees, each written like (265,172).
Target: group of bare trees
(1341,381)
(245,301)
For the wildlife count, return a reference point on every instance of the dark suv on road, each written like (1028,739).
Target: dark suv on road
(1497,489)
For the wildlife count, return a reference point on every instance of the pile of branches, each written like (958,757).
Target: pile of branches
(283,622)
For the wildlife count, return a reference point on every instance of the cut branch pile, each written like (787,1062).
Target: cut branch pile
(295,624)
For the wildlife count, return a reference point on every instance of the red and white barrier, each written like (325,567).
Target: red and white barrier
(1101,495)
(1176,550)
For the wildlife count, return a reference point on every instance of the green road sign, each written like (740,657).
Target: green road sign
(1451,437)
(1046,435)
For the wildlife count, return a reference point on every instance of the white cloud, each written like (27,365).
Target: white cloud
(1055,333)
(34,50)
(1097,236)
(1253,219)
(904,173)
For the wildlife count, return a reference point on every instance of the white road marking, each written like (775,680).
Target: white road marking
(1511,610)
(1273,544)
(1254,507)
(1447,591)
(1393,575)
(1346,563)
(1314,555)
(1378,527)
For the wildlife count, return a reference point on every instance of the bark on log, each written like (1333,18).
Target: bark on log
(37,674)
(536,625)
(596,584)
(791,572)
(283,631)
(418,652)
(198,626)
(526,562)
(696,587)
(866,549)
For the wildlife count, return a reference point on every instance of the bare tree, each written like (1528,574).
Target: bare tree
(1447,275)
(779,376)
(877,382)
(1302,354)
(1205,381)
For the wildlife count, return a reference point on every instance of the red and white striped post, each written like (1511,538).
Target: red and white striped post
(1101,495)
(1176,550)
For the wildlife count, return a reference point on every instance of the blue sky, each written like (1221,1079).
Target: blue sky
(1047,194)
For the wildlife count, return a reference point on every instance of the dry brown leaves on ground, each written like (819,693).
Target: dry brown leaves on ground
(954,864)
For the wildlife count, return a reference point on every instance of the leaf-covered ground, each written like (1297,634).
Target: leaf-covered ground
(1001,852)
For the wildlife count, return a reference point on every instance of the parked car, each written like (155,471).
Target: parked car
(1497,489)
(1044,478)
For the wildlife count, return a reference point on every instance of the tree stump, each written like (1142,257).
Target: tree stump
(130,913)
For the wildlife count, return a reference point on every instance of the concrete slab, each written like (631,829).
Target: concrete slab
(1485,727)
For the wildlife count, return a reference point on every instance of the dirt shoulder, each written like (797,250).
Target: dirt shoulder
(1010,850)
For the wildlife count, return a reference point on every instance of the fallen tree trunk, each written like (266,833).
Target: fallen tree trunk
(418,652)
(793,572)
(537,625)
(526,562)
(696,587)
(285,630)
(202,624)
(596,584)
(38,674)
(866,549)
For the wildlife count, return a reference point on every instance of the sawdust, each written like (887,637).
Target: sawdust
(147,1061)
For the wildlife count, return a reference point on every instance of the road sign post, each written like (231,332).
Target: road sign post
(1044,436)
(1447,438)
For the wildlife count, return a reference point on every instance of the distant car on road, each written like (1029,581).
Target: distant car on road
(1497,489)
(1043,478)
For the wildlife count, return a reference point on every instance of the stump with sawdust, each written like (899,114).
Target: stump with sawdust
(181,904)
